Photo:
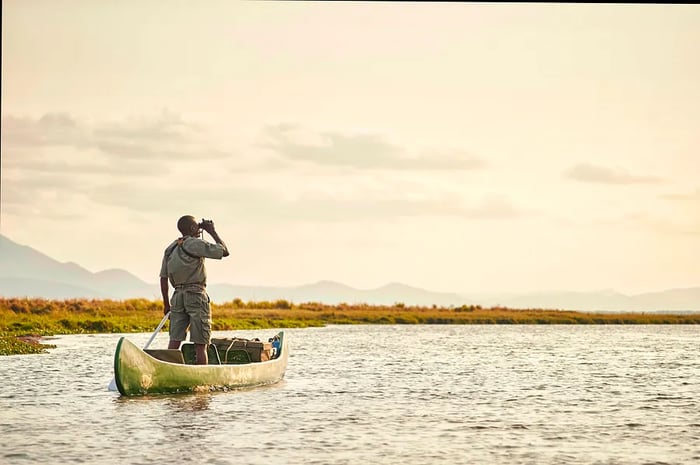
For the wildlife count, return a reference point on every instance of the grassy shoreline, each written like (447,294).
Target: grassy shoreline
(24,321)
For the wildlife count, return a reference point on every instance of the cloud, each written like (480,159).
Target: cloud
(497,207)
(299,204)
(164,137)
(43,195)
(52,129)
(39,211)
(140,150)
(585,172)
(168,126)
(687,207)
(149,198)
(360,151)
(315,206)
(665,226)
(689,197)
(56,167)
(120,164)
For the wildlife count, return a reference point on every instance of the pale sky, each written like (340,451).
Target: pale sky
(458,147)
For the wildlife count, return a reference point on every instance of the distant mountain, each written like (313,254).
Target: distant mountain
(26,287)
(415,296)
(566,300)
(330,292)
(672,299)
(25,272)
(122,283)
(603,301)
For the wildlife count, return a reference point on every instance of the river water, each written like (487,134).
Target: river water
(378,395)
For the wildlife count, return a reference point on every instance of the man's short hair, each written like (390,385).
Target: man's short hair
(184,224)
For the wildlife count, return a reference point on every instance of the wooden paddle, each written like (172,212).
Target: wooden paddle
(113,384)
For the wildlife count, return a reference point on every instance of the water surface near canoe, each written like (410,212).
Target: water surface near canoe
(378,395)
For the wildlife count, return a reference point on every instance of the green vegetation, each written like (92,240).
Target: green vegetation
(40,317)
(10,345)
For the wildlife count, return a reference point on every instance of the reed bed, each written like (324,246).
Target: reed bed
(41,317)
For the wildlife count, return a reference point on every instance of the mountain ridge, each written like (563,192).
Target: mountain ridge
(26,272)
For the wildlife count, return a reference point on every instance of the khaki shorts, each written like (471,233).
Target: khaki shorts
(191,310)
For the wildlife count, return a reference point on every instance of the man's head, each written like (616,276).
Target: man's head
(188,226)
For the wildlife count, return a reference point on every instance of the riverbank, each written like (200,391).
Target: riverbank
(20,318)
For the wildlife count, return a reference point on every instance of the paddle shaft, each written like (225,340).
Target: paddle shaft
(155,333)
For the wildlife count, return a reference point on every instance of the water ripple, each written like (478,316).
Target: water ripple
(382,395)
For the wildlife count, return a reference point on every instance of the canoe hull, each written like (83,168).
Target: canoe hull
(137,373)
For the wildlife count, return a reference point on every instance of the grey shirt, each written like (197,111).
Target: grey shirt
(185,267)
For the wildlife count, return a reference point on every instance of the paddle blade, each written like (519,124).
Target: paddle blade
(112,385)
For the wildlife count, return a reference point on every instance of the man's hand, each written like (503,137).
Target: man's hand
(164,292)
(208,226)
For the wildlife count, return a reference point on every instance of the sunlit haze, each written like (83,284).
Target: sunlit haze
(450,146)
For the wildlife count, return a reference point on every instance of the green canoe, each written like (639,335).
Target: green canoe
(138,373)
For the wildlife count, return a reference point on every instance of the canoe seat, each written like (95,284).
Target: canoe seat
(190,355)
(166,355)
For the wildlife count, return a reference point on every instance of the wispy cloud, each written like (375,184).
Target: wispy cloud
(315,206)
(312,206)
(52,129)
(686,197)
(688,207)
(57,162)
(299,204)
(586,172)
(117,164)
(660,225)
(33,166)
(238,201)
(164,137)
(43,194)
(361,151)
(167,126)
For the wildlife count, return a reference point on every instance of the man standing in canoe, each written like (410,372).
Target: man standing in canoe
(183,265)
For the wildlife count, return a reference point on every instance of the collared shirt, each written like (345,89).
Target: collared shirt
(183,261)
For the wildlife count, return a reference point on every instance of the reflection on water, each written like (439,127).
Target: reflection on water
(379,394)
(190,403)
(177,402)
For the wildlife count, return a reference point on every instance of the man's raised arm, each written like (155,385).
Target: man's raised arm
(208,226)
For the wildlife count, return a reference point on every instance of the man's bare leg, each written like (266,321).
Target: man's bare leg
(174,344)
(201,351)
